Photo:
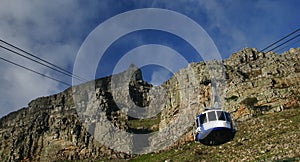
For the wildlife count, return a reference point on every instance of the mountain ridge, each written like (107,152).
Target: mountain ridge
(50,129)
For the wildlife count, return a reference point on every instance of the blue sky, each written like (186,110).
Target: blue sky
(55,30)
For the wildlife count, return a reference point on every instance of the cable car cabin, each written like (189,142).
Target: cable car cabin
(214,127)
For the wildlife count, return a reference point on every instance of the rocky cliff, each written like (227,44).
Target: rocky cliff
(106,119)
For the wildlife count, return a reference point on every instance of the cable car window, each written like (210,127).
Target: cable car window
(220,115)
(212,116)
(203,118)
(228,117)
(197,122)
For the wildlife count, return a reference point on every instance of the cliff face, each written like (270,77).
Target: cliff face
(270,80)
(50,128)
(64,126)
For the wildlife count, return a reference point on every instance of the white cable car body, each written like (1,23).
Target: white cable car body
(214,127)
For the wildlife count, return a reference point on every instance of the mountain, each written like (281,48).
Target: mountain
(90,121)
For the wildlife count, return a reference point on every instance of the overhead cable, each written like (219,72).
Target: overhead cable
(281,39)
(36,72)
(284,43)
(40,61)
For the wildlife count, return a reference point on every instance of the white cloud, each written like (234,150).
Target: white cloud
(20,86)
(236,24)
(49,29)
(159,76)
(55,29)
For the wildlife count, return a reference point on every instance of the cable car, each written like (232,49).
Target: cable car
(214,127)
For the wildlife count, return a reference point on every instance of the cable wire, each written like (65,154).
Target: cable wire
(54,67)
(17,53)
(36,72)
(280,40)
(289,45)
(284,43)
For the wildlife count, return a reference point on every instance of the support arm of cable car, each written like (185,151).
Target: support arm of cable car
(214,126)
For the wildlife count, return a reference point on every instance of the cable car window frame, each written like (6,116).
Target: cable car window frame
(214,117)
(228,118)
(220,115)
(197,122)
(203,120)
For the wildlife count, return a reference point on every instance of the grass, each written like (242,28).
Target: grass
(260,138)
(148,125)
(181,153)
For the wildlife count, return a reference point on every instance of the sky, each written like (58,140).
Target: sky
(55,30)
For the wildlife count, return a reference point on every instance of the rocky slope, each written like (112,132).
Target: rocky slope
(63,126)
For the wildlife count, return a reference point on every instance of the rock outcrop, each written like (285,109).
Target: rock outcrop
(63,126)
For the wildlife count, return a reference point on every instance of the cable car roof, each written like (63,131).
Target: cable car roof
(211,109)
